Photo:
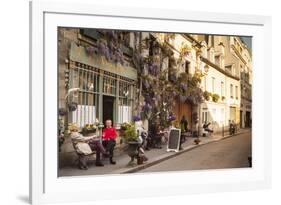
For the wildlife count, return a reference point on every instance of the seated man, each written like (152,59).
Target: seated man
(85,146)
(109,135)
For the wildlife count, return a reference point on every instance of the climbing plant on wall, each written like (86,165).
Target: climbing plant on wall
(160,86)
(109,46)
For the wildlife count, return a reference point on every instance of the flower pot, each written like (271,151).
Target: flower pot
(197,141)
(88,132)
(72,106)
(133,149)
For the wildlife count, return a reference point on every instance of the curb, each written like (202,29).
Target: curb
(170,155)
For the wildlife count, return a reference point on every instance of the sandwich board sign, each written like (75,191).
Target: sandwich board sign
(174,140)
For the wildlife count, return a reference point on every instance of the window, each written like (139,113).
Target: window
(125,101)
(222,116)
(214,114)
(205,83)
(205,116)
(187,66)
(109,85)
(87,98)
(217,60)
(228,68)
(231,90)
(94,88)
(236,92)
(222,89)
(213,84)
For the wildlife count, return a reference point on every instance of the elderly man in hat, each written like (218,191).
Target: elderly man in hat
(85,145)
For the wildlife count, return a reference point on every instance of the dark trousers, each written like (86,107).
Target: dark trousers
(109,146)
(82,160)
(157,140)
(98,147)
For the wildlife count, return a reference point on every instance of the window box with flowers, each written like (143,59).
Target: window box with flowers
(89,129)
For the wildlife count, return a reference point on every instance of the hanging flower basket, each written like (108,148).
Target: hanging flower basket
(207,95)
(215,97)
(62,111)
(72,106)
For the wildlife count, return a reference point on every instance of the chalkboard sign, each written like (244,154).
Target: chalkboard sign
(174,140)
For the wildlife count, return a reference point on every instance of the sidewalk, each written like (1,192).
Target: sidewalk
(154,156)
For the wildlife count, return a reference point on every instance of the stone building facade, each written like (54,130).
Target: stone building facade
(109,87)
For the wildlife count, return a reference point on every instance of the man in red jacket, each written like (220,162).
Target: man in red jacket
(109,135)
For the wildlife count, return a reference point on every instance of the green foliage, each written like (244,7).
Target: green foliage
(207,95)
(89,128)
(184,50)
(215,97)
(128,132)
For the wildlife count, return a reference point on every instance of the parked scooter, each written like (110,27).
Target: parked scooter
(232,128)
(206,129)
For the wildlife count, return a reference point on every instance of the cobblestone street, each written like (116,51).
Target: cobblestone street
(232,152)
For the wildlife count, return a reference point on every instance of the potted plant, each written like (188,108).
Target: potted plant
(89,129)
(215,97)
(130,137)
(197,141)
(72,106)
(207,95)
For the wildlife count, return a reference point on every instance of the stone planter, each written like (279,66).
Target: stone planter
(132,151)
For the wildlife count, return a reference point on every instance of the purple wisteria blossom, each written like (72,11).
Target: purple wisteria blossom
(136,118)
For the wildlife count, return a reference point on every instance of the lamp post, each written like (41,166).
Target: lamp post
(100,126)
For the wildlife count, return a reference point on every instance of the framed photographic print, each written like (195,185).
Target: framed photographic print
(115,90)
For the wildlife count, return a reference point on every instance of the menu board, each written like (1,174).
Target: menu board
(174,140)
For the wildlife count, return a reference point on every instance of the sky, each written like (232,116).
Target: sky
(247,41)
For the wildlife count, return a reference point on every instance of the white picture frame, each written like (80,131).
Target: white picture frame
(46,187)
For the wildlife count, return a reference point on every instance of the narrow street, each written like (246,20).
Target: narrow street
(232,152)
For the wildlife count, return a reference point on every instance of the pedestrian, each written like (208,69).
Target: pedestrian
(157,135)
(84,146)
(109,135)
(183,124)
